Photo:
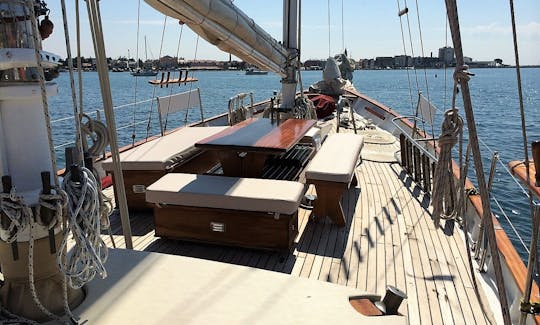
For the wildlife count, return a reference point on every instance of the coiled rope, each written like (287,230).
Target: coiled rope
(84,222)
(444,196)
(444,201)
(18,213)
(97,131)
(21,218)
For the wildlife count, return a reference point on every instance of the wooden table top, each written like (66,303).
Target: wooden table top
(518,169)
(259,134)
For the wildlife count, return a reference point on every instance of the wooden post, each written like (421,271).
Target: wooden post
(403,148)
(409,157)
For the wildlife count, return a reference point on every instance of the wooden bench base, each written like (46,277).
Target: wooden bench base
(328,203)
(231,227)
(136,181)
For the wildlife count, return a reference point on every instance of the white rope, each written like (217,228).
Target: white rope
(76,112)
(37,46)
(101,139)
(31,282)
(21,218)
(84,222)
(17,212)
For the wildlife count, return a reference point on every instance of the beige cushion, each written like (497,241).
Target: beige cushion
(337,158)
(164,152)
(246,194)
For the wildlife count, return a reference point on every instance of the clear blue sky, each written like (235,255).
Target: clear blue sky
(371,28)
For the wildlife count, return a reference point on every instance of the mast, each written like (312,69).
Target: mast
(145,50)
(291,23)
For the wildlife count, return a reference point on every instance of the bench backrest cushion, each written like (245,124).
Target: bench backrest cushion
(165,151)
(337,158)
(232,193)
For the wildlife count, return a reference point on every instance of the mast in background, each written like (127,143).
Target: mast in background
(291,25)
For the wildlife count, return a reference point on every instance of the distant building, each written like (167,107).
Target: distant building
(446,55)
(384,62)
(426,62)
(168,62)
(366,64)
(402,61)
(314,64)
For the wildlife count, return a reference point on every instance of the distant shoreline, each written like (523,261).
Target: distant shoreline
(389,69)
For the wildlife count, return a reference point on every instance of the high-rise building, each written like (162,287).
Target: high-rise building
(446,55)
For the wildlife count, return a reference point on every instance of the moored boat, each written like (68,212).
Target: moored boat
(253,71)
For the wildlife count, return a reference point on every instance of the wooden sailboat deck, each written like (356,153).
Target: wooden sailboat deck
(389,239)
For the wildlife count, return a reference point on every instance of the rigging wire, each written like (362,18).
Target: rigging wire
(191,83)
(180,74)
(424,67)
(405,53)
(133,132)
(418,91)
(412,48)
(79,67)
(445,92)
(329,36)
(463,76)
(76,112)
(149,124)
(535,223)
(342,27)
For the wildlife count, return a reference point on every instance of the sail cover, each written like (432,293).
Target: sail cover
(224,25)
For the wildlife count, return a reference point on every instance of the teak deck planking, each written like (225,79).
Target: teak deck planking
(389,239)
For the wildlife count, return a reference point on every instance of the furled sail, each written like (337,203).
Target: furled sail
(224,25)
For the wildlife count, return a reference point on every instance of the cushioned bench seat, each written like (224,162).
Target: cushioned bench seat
(146,163)
(332,171)
(164,152)
(247,212)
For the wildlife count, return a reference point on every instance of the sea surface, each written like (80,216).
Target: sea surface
(494,97)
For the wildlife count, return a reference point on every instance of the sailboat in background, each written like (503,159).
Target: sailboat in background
(142,72)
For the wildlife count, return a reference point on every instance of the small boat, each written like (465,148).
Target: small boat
(140,72)
(144,73)
(253,72)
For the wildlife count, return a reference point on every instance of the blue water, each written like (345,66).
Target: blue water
(494,96)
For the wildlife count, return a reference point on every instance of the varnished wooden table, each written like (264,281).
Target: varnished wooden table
(243,148)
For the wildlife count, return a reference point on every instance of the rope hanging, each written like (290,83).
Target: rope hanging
(444,196)
(84,222)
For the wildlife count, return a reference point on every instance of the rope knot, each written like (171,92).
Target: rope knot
(462,74)
(18,215)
